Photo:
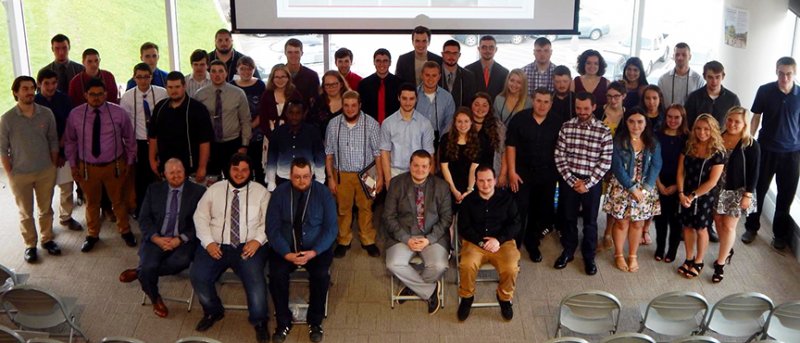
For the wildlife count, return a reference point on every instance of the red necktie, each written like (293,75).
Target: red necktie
(381,102)
(486,76)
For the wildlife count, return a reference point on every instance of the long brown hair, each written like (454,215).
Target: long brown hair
(715,144)
(684,128)
(289,89)
(473,144)
(490,123)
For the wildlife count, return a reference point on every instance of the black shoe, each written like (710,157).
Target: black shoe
(262,332)
(506,309)
(561,261)
(72,224)
(536,255)
(315,333)
(89,243)
(280,334)
(405,291)
(749,236)
(591,267)
(52,248)
(208,321)
(129,238)
(372,250)
(778,244)
(464,308)
(713,237)
(435,301)
(30,255)
(340,250)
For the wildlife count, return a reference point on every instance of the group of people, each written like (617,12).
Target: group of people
(222,170)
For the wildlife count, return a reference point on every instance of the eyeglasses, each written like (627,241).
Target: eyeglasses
(96,95)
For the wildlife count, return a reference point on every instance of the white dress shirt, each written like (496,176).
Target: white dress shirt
(212,219)
(131,101)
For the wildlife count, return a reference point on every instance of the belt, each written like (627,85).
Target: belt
(102,164)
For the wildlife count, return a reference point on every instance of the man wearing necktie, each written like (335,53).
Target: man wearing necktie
(139,103)
(230,225)
(379,90)
(490,76)
(230,118)
(458,81)
(168,233)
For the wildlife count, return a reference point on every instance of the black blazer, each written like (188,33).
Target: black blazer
(368,89)
(405,66)
(463,86)
(497,78)
(154,209)
(742,167)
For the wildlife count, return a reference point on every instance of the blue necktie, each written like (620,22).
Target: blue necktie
(172,219)
(235,240)
(146,108)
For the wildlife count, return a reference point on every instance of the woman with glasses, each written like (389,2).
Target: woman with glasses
(253,89)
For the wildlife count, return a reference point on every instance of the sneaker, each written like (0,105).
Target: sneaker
(404,292)
(435,301)
(52,248)
(315,333)
(464,308)
(749,236)
(506,309)
(372,250)
(340,250)
(280,333)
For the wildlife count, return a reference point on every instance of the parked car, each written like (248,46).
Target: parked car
(312,49)
(590,25)
(473,40)
(654,49)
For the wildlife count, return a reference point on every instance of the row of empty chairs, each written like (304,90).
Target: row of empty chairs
(679,314)
(635,337)
(8,335)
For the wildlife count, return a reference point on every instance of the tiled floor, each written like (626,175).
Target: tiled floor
(359,305)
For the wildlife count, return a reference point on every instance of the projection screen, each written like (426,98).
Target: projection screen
(400,16)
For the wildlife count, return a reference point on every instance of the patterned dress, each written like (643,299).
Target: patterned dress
(697,170)
(620,204)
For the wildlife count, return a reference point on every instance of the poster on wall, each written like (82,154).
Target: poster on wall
(737,23)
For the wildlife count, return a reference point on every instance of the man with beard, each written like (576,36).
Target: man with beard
(681,81)
(456,80)
(224,52)
(64,68)
(230,225)
(302,227)
(563,99)
(490,76)
(540,71)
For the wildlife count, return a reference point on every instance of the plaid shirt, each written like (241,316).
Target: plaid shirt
(538,79)
(352,148)
(584,148)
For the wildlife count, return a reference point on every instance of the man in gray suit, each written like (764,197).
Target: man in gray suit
(417,217)
(168,232)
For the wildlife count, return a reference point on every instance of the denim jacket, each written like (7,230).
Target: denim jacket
(623,162)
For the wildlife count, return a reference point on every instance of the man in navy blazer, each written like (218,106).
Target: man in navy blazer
(409,65)
(168,232)
(496,73)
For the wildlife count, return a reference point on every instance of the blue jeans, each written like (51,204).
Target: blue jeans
(206,271)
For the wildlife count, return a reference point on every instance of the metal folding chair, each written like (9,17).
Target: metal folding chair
(188,301)
(739,315)
(628,337)
(678,313)
(417,262)
(39,309)
(590,312)
(783,323)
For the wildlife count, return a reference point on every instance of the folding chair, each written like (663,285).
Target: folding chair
(8,279)
(678,313)
(783,323)
(43,340)
(590,312)
(697,339)
(566,340)
(120,339)
(188,301)
(300,309)
(628,337)
(486,272)
(39,309)
(229,277)
(417,262)
(739,315)
(197,339)
(7,335)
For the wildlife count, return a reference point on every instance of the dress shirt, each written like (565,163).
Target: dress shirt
(584,148)
(353,148)
(168,231)
(213,215)
(235,110)
(369,88)
(353,80)
(676,88)
(192,86)
(319,228)
(159,78)
(538,78)
(496,217)
(132,102)
(116,135)
(403,137)
(439,111)
(286,144)
(29,142)
(79,81)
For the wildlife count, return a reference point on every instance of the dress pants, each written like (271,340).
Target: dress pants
(142,178)
(220,158)
(505,261)
(668,224)
(25,186)
(572,201)
(535,201)
(154,263)
(785,168)
(205,272)
(65,203)
(98,178)
(319,279)
(348,192)
(434,257)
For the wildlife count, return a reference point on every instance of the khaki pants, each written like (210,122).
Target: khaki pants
(349,191)
(505,260)
(65,203)
(24,186)
(99,177)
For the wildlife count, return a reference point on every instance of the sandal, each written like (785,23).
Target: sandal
(619,260)
(633,263)
(696,269)
(670,256)
(646,240)
(684,268)
(719,273)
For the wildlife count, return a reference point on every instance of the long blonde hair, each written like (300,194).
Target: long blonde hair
(715,144)
(523,91)
(746,138)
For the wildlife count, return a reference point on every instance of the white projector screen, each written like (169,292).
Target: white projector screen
(401,16)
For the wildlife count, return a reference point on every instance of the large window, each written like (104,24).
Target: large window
(6,69)
(198,20)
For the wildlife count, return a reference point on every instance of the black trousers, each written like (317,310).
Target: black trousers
(221,152)
(319,279)
(570,201)
(254,151)
(535,202)
(785,168)
(668,224)
(144,176)
(154,263)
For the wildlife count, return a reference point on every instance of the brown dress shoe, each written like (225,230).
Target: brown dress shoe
(129,275)
(160,309)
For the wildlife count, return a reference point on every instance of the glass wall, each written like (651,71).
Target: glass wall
(198,20)
(6,69)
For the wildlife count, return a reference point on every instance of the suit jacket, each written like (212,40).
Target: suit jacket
(497,78)
(368,88)
(154,210)
(400,210)
(405,66)
(464,88)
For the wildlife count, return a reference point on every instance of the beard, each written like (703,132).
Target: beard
(239,185)
(224,51)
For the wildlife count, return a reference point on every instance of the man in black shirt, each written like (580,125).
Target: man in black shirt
(488,222)
(563,99)
(532,175)
(376,102)
(180,128)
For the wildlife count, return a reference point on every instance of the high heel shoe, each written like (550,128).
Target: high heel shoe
(670,256)
(719,272)
(619,260)
(695,271)
(686,267)
(633,263)
(728,259)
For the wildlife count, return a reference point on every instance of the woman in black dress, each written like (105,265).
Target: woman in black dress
(699,170)
(460,155)
(672,138)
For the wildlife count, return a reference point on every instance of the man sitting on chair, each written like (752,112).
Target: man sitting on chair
(168,233)
(487,223)
(417,216)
